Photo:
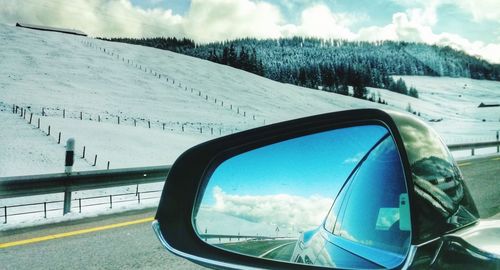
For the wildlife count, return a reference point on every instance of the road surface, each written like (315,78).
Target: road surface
(126,241)
(482,176)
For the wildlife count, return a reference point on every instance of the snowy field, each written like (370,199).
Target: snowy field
(138,106)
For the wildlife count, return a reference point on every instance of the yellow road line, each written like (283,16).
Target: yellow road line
(464,164)
(67,234)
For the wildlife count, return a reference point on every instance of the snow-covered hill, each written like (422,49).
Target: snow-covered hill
(142,106)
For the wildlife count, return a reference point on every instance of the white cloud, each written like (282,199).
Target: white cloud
(484,10)
(283,210)
(413,25)
(95,17)
(320,21)
(215,20)
(355,159)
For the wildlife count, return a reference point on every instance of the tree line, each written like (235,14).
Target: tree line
(333,65)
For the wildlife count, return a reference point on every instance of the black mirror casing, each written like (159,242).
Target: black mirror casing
(174,224)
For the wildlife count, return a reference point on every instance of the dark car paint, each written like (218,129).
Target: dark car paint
(432,247)
(435,203)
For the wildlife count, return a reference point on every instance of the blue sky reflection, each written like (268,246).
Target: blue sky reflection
(316,164)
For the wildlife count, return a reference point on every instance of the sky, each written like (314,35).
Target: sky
(471,26)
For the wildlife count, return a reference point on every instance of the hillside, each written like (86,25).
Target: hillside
(331,65)
(139,106)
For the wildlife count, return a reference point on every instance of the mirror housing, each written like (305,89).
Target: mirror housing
(174,218)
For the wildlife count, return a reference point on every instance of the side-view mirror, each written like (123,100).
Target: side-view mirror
(357,189)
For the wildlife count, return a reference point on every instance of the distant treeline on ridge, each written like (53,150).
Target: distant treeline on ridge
(333,65)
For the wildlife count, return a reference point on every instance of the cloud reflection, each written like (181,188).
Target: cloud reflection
(283,210)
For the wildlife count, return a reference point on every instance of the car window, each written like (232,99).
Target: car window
(372,211)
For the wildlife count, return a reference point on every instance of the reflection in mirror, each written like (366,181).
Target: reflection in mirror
(441,194)
(282,202)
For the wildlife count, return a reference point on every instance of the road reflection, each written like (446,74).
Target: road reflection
(281,250)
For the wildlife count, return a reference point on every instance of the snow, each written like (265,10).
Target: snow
(456,101)
(26,150)
(178,95)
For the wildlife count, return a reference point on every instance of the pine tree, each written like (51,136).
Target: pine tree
(413,92)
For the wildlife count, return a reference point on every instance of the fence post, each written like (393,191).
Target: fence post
(38,122)
(67,202)
(149,124)
(118,120)
(31,117)
(83,155)
(139,198)
(64,113)
(95,160)
(79,205)
(44,209)
(163,126)
(110,201)
(81,115)
(48,131)
(472,151)
(59,139)
(108,165)
(70,150)
(5,214)
(498,140)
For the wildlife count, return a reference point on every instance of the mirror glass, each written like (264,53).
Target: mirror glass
(335,198)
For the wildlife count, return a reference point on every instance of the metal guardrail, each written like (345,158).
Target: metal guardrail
(238,237)
(51,206)
(473,146)
(18,186)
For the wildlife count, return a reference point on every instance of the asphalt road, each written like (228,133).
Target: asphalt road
(482,176)
(128,247)
(134,246)
(270,249)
